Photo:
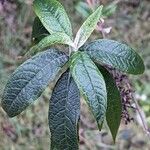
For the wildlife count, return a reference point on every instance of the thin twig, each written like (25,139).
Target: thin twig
(138,109)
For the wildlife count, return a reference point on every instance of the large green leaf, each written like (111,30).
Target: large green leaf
(38,31)
(114,105)
(115,54)
(88,27)
(53,16)
(54,38)
(91,84)
(64,114)
(30,79)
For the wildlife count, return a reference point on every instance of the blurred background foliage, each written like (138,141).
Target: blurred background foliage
(130,22)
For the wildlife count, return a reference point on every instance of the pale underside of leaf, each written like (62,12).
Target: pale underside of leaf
(53,16)
(30,79)
(55,38)
(115,54)
(88,27)
(64,114)
(91,84)
(114,105)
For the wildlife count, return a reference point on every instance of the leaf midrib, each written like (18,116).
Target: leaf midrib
(65,126)
(89,79)
(68,89)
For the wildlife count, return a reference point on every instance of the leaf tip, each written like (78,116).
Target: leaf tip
(114,138)
(100,7)
(100,125)
(99,10)
(140,68)
(9,114)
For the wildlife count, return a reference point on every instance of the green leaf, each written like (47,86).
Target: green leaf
(114,105)
(64,114)
(54,38)
(115,54)
(91,84)
(83,9)
(38,31)
(30,79)
(88,27)
(109,9)
(53,16)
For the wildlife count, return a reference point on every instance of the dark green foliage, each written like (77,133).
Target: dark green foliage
(114,108)
(115,54)
(94,82)
(30,79)
(91,84)
(64,113)
(38,31)
(53,16)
